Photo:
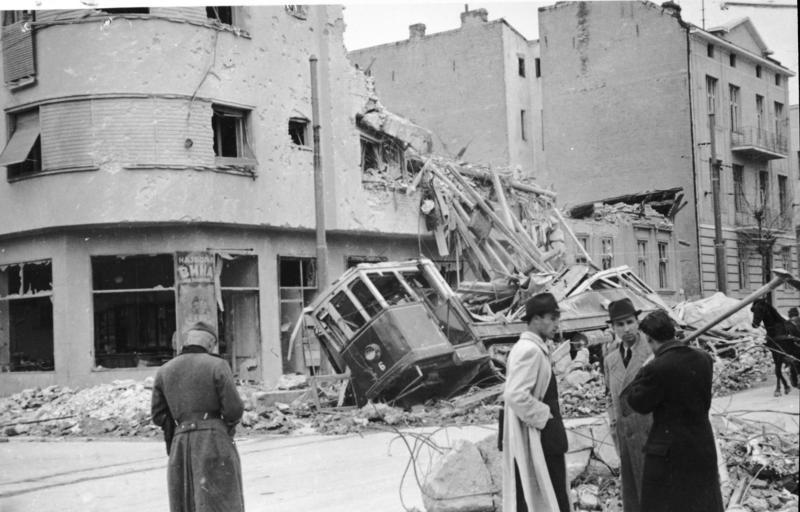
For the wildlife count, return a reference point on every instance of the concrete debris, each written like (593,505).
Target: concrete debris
(459,481)
(699,311)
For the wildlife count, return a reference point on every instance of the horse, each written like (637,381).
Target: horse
(783,341)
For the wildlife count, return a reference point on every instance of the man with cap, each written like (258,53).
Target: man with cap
(197,389)
(629,429)
(680,461)
(534,439)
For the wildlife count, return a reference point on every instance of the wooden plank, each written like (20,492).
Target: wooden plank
(466,402)
(501,197)
(574,238)
(471,243)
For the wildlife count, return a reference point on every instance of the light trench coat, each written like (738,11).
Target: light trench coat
(527,378)
(630,429)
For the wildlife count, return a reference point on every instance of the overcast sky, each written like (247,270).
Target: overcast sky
(381,21)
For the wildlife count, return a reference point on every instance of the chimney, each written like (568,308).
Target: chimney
(673,8)
(416,31)
(474,17)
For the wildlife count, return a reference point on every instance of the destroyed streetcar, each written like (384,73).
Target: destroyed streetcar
(405,335)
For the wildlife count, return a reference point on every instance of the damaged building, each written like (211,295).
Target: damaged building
(159,169)
(587,103)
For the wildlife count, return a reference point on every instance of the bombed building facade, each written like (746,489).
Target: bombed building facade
(159,170)
(615,118)
(476,88)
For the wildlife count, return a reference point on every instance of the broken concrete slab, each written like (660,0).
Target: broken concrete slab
(459,482)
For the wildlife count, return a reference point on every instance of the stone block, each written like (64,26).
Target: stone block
(459,481)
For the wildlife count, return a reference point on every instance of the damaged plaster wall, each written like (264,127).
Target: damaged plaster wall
(460,72)
(616,107)
(147,93)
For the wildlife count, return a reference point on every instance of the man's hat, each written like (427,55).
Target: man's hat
(202,326)
(620,309)
(793,312)
(540,304)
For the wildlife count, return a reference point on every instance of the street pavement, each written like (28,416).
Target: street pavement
(281,474)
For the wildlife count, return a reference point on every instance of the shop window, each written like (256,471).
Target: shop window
(297,287)
(26,317)
(22,155)
(231,138)
(222,14)
(134,310)
(239,320)
(298,131)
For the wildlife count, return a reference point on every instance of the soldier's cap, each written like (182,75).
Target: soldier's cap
(620,309)
(202,326)
(539,305)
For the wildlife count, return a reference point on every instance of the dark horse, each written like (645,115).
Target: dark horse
(783,340)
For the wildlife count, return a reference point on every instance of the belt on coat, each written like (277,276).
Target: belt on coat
(199,421)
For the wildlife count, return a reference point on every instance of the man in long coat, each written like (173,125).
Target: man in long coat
(197,389)
(534,439)
(680,465)
(628,427)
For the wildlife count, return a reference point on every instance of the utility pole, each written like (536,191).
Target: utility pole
(319,183)
(719,243)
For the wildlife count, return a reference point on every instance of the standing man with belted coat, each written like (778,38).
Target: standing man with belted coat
(680,465)
(628,428)
(197,389)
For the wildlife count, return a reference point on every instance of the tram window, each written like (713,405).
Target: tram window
(368,301)
(347,310)
(390,288)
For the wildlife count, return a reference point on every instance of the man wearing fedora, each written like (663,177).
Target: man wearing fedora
(534,439)
(680,464)
(197,389)
(629,429)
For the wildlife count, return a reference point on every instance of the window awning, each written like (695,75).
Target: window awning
(22,140)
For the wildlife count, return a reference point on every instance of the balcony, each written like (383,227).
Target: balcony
(758,144)
(771,220)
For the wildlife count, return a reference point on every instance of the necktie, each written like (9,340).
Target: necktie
(627,357)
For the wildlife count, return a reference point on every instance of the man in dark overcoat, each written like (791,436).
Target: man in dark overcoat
(680,465)
(197,389)
(629,428)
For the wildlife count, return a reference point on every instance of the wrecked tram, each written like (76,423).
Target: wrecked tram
(400,330)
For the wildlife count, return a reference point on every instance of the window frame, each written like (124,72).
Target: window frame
(244,149)
(734,101)
(305,131)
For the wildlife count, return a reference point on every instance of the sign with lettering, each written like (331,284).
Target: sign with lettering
(197,297)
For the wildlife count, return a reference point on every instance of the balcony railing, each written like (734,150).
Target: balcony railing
(759,143)
(771,220)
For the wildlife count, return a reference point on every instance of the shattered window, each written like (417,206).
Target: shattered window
(298,287)
(298,131)
(134,310)
(222,14)
(370,155)
(382,156)
(348,311)
(239,319)
(231,139)
(390,288)
(26,317)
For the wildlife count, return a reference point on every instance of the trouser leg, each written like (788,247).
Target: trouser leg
(557,467)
